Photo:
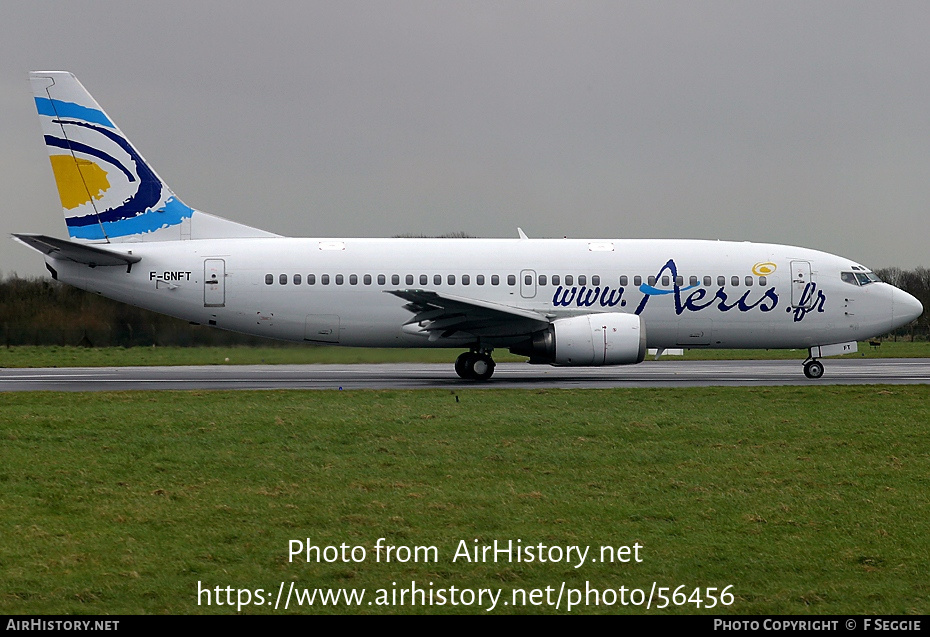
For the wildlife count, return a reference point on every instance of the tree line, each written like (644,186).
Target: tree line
(917,283)
(39,311)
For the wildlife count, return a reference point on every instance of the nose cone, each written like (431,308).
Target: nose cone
(904,308)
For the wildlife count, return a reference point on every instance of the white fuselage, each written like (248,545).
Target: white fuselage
(707,294)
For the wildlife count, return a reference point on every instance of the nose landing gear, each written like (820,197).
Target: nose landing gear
(476,365)
(813,368)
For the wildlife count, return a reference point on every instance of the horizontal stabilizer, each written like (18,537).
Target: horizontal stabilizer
(77,252)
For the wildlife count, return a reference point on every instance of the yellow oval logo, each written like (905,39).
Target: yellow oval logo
(764,269)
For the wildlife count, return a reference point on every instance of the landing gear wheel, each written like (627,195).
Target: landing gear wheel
(463,365)
(474,366)
(482,367)
(813,369)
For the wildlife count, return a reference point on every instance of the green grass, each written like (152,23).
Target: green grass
(807,500)
(69,356)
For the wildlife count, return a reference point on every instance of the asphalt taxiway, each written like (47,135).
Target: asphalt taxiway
(670,373)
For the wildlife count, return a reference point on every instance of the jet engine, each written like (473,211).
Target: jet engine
(589,340)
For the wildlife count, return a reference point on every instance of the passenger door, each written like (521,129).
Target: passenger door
(801,277)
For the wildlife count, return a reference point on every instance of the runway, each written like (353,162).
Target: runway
(670,373)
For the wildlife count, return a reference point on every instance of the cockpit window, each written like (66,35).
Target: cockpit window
(860,277)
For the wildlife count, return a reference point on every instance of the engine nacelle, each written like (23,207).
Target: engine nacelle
(588,341)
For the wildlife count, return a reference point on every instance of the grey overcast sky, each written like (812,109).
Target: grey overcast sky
(800,122)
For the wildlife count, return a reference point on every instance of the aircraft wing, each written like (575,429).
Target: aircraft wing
(445,315)
(77,252)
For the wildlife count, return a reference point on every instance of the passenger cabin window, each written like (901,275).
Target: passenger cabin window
(721,281)
(437,279)
(542,279)
(409,279)
(495,280)
(296,279)
(282,279)
(528,279)
(423,279)
(451,279)
(324,279)
(637,280)
(707,281)
(582,279)
(569,279)
(693,280)
(624,280)
(512,280)
(367,279)
(762,280)
(734,281)
(353,279)
(479,279)
(269,279)
(395,279)
(556,280)
(748,280)
(340,279)
(595,280)
(311,279)
(466,279)
(381,279)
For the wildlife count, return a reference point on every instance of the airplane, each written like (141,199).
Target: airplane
(562,302)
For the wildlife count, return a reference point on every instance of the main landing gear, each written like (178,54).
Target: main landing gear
(475,365)
(813,368)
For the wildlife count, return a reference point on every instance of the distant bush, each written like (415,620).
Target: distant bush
(916,283)
(37,311)
(458,234)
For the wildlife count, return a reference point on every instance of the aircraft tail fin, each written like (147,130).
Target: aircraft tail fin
(108,191)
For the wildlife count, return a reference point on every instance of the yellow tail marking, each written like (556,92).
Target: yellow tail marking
(78,180)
